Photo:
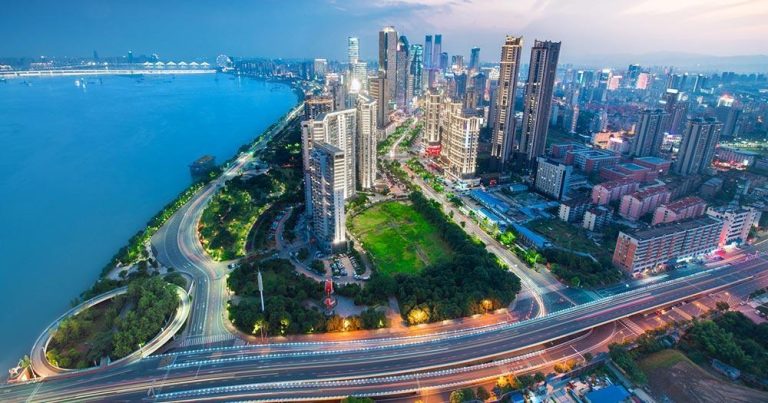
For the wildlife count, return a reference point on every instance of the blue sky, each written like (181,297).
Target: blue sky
(318,28)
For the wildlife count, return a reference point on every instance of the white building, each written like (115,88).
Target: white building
(736,223)
(552,177)
(366,143)
(327,170)
(338,129)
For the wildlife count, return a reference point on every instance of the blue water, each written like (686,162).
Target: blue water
(83,169)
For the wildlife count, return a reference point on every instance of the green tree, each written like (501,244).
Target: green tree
(482,393)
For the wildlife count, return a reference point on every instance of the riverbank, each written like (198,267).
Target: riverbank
(80,182)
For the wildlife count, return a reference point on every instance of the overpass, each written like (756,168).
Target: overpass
(285,371)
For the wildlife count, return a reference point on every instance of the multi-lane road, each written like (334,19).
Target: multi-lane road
(372,366)
(316,370)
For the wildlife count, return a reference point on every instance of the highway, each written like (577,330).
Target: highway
(285,371)
(177,245)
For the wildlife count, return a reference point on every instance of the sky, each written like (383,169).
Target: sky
(191,29)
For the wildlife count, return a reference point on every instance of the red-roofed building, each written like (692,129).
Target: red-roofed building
(639,203)
(606,192)
(687,207)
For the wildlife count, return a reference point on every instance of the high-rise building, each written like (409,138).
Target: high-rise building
(457,62)
(317,105)
(474,59)
(366,143)
(353,50)
(538,98)
(357,70)
(503,125)
(697,146)
(729,115)
(451,135)
(417,69)
(552,177)
(459,139)
(320,68)
(437,51)
(428,52)
(649,134)
(444,62)
(327,167)
(431,109)
(338,129)
(403,88)
(388,42)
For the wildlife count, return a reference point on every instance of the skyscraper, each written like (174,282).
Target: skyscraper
(428,52)
(388,42)
(437,51)
(650,133)
(353,50)
(403,89)
(417,68)
(474,59)
(503,131)
(444,62)
(338,129)
(327,165)
(538,98)
(431,111)
(697,146)
(366,143)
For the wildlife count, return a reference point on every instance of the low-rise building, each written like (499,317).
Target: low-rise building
(635,205)
(596,218)
(650,249)
(736,223)
(629,170)
(656,164)
(606,192)
(573,209)
(687,207)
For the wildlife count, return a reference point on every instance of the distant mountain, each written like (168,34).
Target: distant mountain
(684,61)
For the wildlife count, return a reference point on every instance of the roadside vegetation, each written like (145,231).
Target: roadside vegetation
(114,328)
(385,145)
(294,301)
(471,281)
(234,212)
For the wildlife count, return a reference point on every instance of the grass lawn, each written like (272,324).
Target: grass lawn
(661,359)
(398,238)
(569,236)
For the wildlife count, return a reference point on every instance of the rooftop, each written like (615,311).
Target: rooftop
(685,203)
(672,228)
(633,167)
(649,192)
(616,183)
(653,160)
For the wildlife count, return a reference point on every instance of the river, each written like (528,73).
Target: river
(83,167)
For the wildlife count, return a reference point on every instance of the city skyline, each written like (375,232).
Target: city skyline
(236,28)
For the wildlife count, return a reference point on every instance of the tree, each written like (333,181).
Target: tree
(482,394)
(539,377)
(722,306)
(588,357)
(352,399)
(507,238)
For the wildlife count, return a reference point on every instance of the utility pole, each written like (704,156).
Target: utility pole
(261,291)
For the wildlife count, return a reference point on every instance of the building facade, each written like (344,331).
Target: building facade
(736,223)
(651,249)
(697,147)
(552,177)
(366,142)
(538,98)
(503,119)
(328,171)
(650,133)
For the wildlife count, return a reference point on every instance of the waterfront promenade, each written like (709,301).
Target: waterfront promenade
(101,72)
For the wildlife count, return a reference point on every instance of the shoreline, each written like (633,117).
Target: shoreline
(99,72)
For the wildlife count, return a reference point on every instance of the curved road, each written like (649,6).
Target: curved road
(283,371)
